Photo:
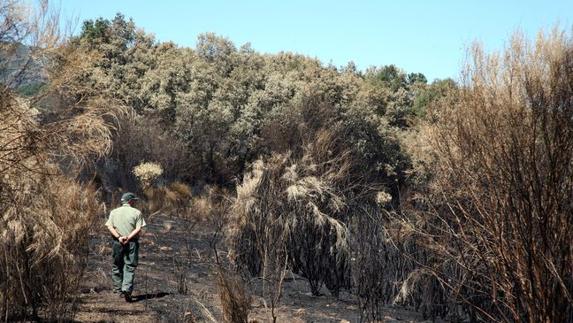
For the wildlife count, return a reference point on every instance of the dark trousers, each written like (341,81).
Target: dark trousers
(125,259)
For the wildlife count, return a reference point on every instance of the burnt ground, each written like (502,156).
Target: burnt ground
(176,282)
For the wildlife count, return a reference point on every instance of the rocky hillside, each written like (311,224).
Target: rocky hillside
(22,68)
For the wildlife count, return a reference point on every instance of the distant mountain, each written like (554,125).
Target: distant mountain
(22,68)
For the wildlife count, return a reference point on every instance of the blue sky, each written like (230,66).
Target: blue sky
(418,36)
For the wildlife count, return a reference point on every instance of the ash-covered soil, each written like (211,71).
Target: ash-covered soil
(176,282)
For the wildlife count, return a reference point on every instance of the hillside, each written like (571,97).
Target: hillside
(278,187)
(22,67)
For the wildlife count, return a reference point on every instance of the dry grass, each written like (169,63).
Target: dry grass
(235,298)
(174,198)
(497,222)
(212,206)
(283,199)
(44,215)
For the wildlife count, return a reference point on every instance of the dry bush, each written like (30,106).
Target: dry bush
(147,173)
(385,264)
(172,198)
(235,298)
(378,265)
(497,220)
(45,247)
(370,259)
(45,215)
(312,212)
(258,235)
(283,199)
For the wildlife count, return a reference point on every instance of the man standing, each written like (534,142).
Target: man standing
(125,224)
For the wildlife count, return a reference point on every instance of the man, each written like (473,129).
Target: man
(125,224)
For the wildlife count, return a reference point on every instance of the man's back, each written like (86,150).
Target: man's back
(125,219)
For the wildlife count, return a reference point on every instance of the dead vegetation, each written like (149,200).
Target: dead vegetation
(288,215)
(496,223)
(478,230)
(485,237)
(235,298)
(44,215)
(282,200)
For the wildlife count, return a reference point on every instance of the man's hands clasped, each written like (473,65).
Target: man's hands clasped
(123,240)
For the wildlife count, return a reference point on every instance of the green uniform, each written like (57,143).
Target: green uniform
(125,219)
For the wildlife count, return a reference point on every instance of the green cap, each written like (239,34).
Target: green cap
(126,197)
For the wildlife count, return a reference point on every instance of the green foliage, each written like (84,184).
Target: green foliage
(400,97)
(430,94)
(229,105)
(95,31)
(414,78)
(389,76)
(102,31)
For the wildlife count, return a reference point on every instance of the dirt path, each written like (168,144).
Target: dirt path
(175,282)
(172,279)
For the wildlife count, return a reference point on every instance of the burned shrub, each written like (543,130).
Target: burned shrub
(497,226)
(235,298)
(44,212)
(294,209)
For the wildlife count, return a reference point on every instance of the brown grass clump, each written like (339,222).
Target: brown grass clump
(44,246)
(235,298)
(497,227)
(211,206)
(173,198)
(202,207)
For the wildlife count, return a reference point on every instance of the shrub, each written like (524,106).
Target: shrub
(173,198)
(235,298)
(283,199)
(497,223)
(44,246)
(147,173)
(44,214)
